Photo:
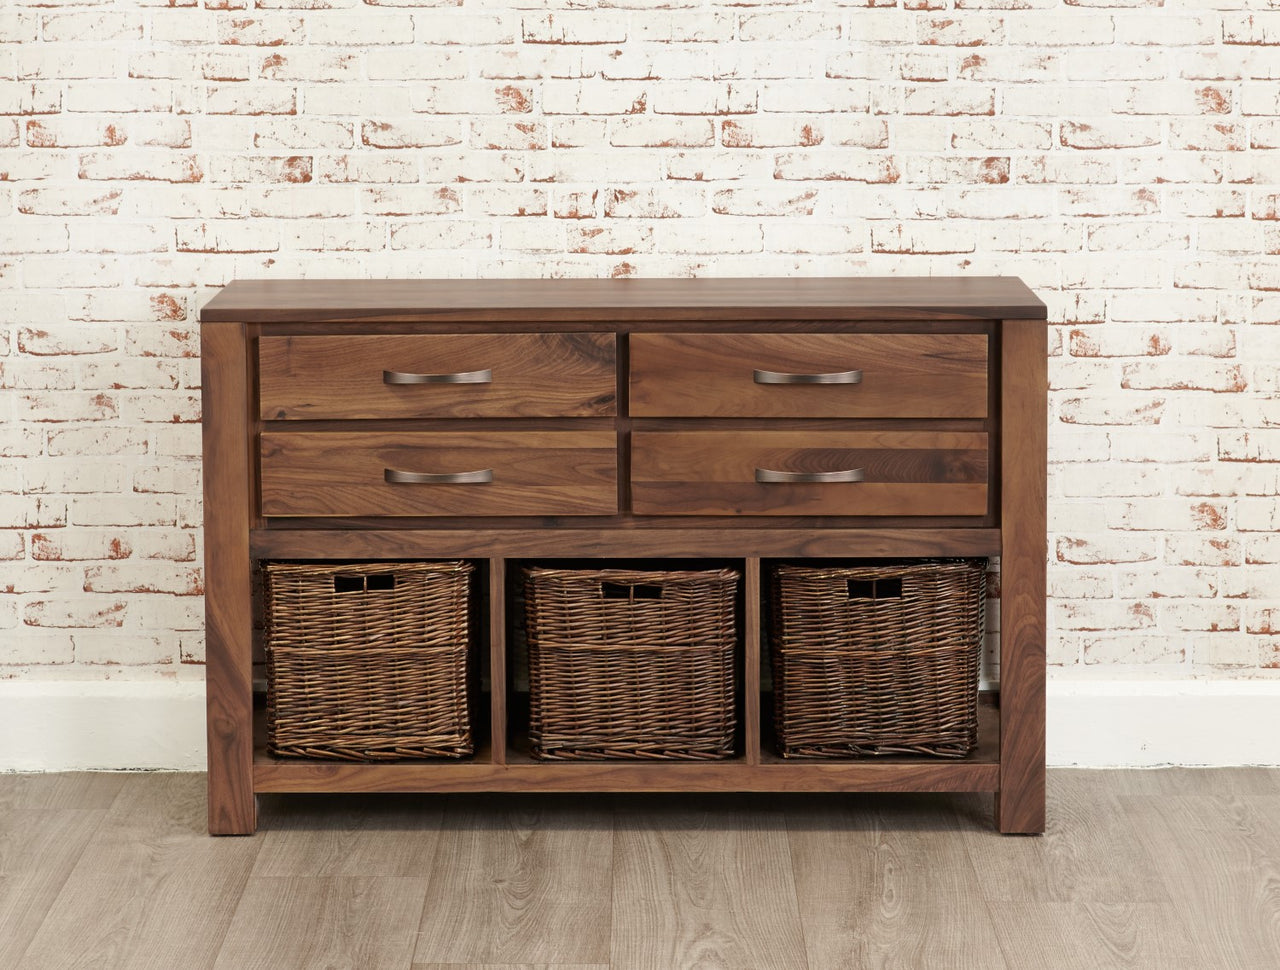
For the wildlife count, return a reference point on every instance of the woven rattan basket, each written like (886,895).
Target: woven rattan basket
(877,660)
(631,664)
(368,661)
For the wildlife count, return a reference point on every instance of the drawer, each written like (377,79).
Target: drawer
(815,375)
(409,473)
(761,473)
(438,376)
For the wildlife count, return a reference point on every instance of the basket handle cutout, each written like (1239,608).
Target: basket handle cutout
(875,589)
(361,584)
(624,591)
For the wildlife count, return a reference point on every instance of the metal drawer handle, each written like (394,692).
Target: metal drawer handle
(396,477)
(848,475)
(781,377)
(462,377)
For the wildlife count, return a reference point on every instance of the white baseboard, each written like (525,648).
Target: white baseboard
(1128,723)
(113,725)
(76,725)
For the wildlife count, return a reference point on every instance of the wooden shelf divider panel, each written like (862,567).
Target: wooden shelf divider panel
(614,420)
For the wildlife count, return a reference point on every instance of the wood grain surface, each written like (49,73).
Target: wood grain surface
(1138,870)
(150,888)
(903,375)
(519,882)
(534,473)
(849,298)
(714,472)
(228,619)
(703,886)
(1024,388)
(533,375)
(304,922)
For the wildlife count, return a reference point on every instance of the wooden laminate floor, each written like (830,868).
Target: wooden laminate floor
(1175,869)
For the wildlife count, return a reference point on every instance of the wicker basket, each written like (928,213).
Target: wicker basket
(877,660)
(630,664)
(368,661)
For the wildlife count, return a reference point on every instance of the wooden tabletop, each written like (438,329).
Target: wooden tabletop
(289,301)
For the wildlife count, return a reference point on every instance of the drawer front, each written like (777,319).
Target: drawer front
(439,473)
(438,376)
(763,472)
(828,375)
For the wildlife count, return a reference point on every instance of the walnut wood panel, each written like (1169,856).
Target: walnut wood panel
(1020,805)
(497,596)
(539,473)
(752,625)
(714,472)
(532,375)
(227,614)
(902,375)
(625,542)
(726,776)
(301,301)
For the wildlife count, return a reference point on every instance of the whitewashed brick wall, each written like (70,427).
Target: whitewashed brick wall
(1119,155)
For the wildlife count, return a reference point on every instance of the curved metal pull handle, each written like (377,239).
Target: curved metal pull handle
(462,377)
(396,477)
(848,475)
(781,377)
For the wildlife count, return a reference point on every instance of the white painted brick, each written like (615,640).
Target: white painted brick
(360,100)
(765,201)
(815,96)
(411,133)
(1176,29)
(1105,615)
(227,237)
(250,99)
(416,63)
(613,239)
(367,167)
(360,28)
(504,200)
(508,134)
(472,97)
(949,99)
(465,27)
(1119,63)
(304,133)
(439,234)
(311,65)
(769,132)
(922,237)
(1149,649)
(699,26)
(19,26)
(1109,480)
(789,26)
(123,649)
(585,166)
(36,649)
(1255,27)
(969,134)
(828,165)
(594,98)
(648,203)
(1112,409)
(703,98)
(573,27)
(661,132)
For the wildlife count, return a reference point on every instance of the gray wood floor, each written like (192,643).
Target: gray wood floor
(1169,870)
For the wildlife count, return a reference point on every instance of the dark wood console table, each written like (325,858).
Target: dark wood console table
(621,420)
